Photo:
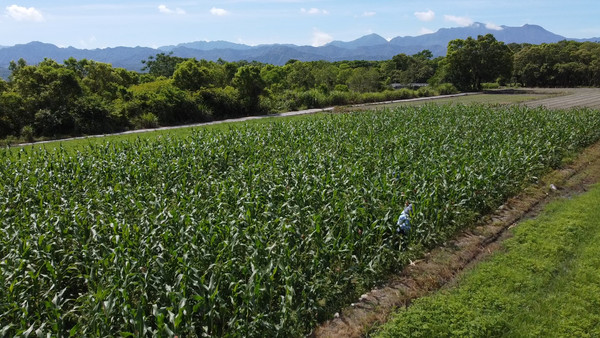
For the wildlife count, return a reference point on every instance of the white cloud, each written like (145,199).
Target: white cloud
(492,26)
(314,11)
(425,16)
(166,10)
(369,14)
(218,11)
(320,38)
(425,31)
(459,20)
(19,13)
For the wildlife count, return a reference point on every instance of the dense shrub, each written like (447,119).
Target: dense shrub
(52,123)
(92,115)
(224,101)
(426,92)
(446,89)
(490,85)
(145,121)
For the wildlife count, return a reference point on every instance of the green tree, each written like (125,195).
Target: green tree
(561,64)
(418,68)
(300,75)
(105,81)
(93,115)
(15,67)
(170,104)
(471,62)
(250,86)
(229,70)
(274,77)
(162,64)
(3,86)
(13,115)
(192,75)
(325,75)
(47,86)
(530,66)
(78,66)
(364,80)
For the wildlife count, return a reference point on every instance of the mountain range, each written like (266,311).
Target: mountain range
(369,47)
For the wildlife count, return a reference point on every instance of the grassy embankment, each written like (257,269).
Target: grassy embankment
(544,283)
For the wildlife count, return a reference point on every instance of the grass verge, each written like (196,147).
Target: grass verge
(544,283)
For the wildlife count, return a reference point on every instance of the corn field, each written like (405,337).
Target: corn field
(257,230)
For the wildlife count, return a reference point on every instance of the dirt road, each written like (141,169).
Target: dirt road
(576,97)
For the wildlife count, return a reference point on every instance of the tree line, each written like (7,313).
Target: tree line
(82,97)
(472,62)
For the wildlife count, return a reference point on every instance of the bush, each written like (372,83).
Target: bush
(490,85)
(145,121)
(404,93)
(27,133)
(53,122)
(312,98)
(10,140)
(168,103)
(340,97)
(372,97)
(391,95)
(446,89)
(341,88)
(92,115)
(224,102)
(426,92)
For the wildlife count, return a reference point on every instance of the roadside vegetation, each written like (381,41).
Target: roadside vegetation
(83,97)
(263,229)
(543,283)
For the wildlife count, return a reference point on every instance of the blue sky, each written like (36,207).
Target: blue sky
(95,24)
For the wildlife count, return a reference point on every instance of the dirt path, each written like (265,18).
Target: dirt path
(441,266)
(576,97)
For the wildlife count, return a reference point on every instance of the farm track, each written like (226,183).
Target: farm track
(441,266)
(578,97)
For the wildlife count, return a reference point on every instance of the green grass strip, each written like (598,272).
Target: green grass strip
(544,284)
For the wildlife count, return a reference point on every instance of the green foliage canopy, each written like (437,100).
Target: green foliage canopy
(471,62)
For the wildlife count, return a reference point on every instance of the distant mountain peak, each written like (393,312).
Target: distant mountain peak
(368,47)
(364,41)
(207,45)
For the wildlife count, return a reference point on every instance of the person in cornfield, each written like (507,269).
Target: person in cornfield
(403,224)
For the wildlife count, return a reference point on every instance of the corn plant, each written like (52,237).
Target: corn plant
(258,230)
